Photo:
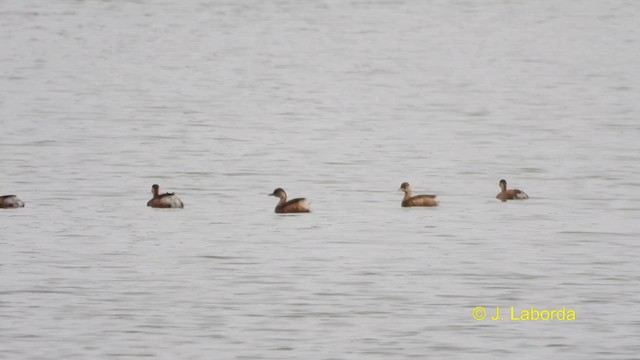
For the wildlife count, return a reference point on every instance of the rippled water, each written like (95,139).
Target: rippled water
(338,101)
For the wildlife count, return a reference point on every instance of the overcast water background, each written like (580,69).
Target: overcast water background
(340,102)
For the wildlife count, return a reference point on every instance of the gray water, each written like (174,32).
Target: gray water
(339,102)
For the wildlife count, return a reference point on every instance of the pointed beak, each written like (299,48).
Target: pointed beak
(272,194)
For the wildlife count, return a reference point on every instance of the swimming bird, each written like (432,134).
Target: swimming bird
(166,200)
(299,205)
(418,200)
(10,201)
(511,194)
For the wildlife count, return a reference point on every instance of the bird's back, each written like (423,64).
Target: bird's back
(166,200)
(420,200)
(299,205)
(10,201)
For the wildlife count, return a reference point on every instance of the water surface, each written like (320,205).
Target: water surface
(340,102)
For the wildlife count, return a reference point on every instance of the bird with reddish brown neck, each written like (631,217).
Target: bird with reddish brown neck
(10,201)
(166,200)
(511,194)
(418,200)
(299,205)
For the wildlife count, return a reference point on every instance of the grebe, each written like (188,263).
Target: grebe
(299,205)
(166,200)
(10,201)
(418,200)
(511,194)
